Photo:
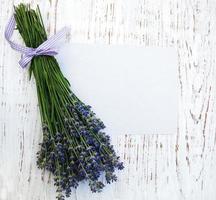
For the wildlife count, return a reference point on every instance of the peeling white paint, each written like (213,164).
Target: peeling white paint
(158,167)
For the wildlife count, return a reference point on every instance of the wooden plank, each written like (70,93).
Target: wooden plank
(157,166)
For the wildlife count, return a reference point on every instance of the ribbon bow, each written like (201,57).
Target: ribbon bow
(46,48)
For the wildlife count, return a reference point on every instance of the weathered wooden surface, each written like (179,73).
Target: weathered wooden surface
(158,167)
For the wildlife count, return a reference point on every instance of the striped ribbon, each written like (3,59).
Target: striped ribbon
(49,47)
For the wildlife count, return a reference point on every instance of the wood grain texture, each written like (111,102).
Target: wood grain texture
(158,167)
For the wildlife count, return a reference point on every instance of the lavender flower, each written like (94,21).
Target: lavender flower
(74,147)
(79,153)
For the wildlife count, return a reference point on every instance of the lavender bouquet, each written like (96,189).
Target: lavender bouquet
(74,148)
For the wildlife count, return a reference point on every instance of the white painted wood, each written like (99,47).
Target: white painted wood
(158,167)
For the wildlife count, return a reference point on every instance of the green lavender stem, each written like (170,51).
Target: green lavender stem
(73,147)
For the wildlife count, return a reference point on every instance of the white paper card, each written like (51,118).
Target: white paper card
(133,90)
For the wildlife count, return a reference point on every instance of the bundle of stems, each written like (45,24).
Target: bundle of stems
(74,147)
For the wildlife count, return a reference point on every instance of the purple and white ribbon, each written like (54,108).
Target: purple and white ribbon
(49,47)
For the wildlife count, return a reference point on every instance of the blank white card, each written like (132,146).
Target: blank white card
(133,90)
